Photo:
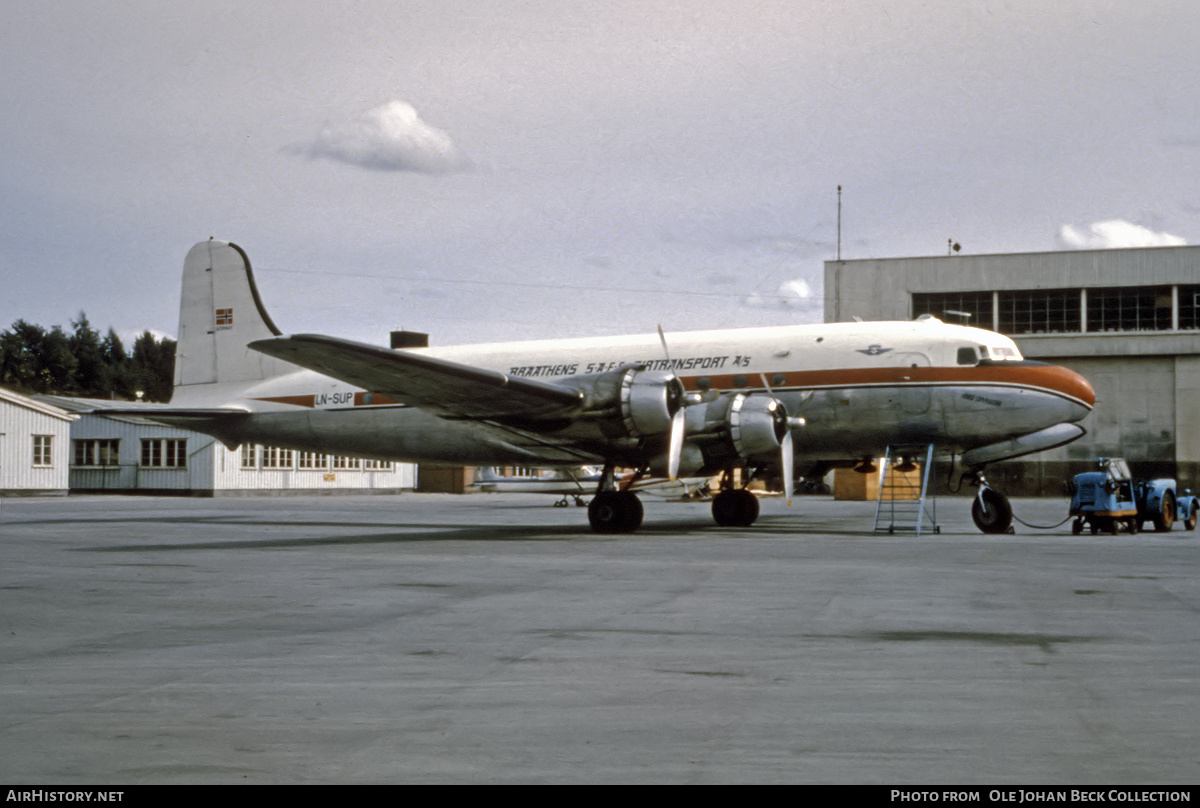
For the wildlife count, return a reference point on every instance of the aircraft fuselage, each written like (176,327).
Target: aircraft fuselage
(857,386)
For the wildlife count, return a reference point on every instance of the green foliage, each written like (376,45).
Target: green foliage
(82,363)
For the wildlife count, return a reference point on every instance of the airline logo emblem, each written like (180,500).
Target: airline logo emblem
(873,350)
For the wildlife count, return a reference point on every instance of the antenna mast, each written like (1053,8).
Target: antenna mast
(839,224)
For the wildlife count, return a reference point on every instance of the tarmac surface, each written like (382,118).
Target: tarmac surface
(495,639)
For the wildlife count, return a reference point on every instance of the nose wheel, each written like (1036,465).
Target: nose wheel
(992,511)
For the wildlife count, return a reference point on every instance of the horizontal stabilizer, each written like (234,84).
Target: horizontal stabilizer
(179,414)
(448,389)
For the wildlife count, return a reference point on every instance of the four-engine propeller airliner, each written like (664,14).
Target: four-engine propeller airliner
(668,405)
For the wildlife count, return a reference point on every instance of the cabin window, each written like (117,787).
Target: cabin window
(967,356)
(276,458)
(93,452)
(164,453)
(249,456)
(43,456)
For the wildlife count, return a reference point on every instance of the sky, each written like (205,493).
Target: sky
(523,169)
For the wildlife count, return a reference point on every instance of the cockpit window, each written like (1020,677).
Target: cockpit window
(967,356)
(1000,353)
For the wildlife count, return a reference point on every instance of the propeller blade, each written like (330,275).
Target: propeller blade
(677,433)
(788,459)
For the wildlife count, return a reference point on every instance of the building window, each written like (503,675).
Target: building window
(164,453)
(42,450)
(342,462)
(102,452)
(966,308)
(311,460)
(249,456)
(276,458)
(377,465)
(1133,308)
(1189,307)
(1041,311)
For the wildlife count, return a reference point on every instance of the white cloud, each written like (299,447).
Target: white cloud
(793,294)
(390,137)
(1114,234)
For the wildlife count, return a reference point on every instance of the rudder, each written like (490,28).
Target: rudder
(219,313)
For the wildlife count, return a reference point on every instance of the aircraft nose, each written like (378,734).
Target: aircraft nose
(1076,388)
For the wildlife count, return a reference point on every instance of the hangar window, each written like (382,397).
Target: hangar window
(966,308)
(104,452)
(1131,308)
(164,453)
(249,456)
(311,460)
(1189,307)
(276,458)
(1040,311)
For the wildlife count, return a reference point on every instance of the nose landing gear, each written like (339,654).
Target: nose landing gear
(991,510)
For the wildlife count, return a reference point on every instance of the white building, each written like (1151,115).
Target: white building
(1127,320)
(129,454)
(34,445)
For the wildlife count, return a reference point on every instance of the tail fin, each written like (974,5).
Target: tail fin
(219,313)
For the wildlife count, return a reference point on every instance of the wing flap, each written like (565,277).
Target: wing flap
(446,388)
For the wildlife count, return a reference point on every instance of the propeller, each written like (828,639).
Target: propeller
(788,458)
(787,452)
(678,422)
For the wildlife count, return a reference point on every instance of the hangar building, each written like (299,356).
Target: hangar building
(1128,320)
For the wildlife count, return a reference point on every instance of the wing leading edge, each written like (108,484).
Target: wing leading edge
(449,389)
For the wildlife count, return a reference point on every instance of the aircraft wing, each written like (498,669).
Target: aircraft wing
(449,389)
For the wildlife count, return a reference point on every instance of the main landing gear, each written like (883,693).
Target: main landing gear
(614,510)
(734,507)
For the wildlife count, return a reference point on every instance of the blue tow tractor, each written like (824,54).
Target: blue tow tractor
(1110,499)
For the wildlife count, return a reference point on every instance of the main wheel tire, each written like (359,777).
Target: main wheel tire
(615,512)
(735,508)
(992,512)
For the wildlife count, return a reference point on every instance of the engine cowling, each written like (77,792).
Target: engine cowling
(630,402)
(736,426)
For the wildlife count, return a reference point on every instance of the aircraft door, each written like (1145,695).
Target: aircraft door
(912,398)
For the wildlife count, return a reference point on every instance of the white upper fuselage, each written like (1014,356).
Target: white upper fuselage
(858,386)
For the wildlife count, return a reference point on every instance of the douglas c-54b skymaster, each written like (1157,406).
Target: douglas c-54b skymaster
(684,404)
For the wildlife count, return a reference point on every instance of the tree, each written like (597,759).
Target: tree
(154,366)
(36,360)
(88,377)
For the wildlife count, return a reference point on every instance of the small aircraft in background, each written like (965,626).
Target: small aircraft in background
(689,404)
(581,482)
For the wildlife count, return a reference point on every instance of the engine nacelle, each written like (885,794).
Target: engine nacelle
(737,426)
(630,401)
